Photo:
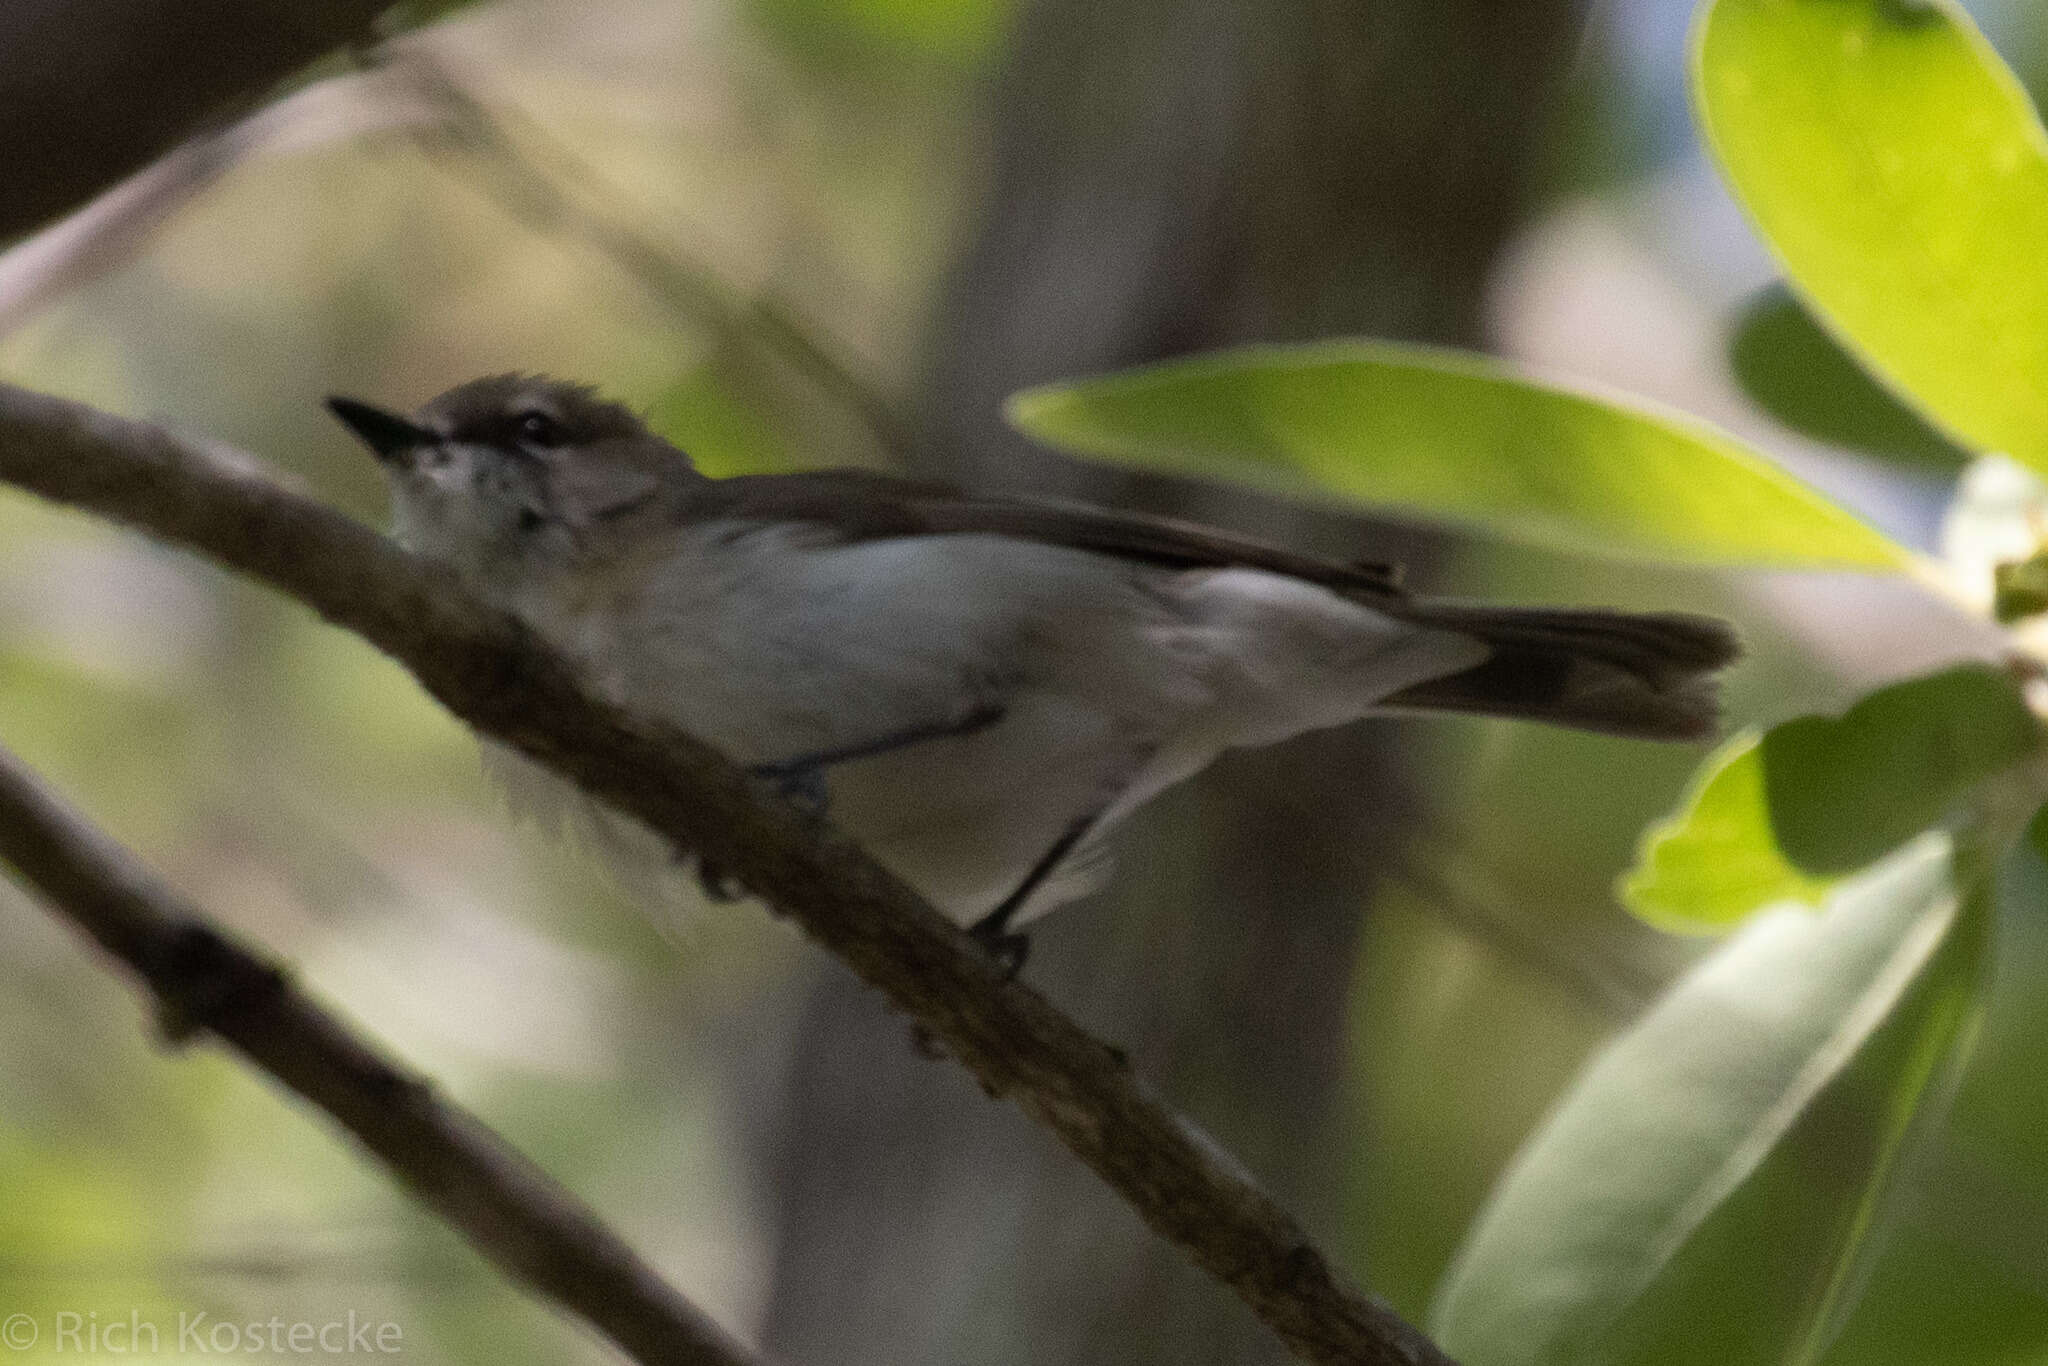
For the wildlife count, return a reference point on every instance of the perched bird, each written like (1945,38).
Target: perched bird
(976,688)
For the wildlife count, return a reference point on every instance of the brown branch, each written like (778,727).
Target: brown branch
(494,673)
(91,90)
(505,1206)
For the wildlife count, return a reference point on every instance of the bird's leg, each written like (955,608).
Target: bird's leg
(1009,947)
(801,779)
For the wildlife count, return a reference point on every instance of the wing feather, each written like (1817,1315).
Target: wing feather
(863,505)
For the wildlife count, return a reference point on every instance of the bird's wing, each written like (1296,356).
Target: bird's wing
(862,505)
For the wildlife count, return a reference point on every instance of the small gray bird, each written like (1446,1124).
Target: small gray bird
(977,688)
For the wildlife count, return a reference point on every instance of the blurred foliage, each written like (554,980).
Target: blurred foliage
(1709,1188)
(1781,817)
(1437,1104)
(707,414)
(1719,1183)
(1735,1157)
(407,15)
(1896,167)
(837,33)
(2020,589)
(1600,141)
(1801,376)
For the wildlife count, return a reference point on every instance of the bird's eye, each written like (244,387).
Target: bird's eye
(537,427)
(530,520)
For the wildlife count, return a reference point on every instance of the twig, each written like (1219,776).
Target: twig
(505,1206)
(105,233)
(543,184)
(494,673)
(126,82)
(1465,898)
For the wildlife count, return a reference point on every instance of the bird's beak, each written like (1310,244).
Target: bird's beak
(392,437)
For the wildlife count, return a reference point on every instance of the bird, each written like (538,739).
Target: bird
(976,688)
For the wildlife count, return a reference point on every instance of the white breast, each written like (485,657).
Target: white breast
(1115,679)
(773,643)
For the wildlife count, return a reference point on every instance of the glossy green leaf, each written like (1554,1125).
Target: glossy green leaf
(1801,376)
(1711,863)
(1899,172)
(1714,1186)
(1960,1280)
(1843,791)
(1456,437)
(1783,816)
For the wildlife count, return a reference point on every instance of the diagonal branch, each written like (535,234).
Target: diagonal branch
(494,673)
(508,1209)
(127,81)
(119,222)
(543,185)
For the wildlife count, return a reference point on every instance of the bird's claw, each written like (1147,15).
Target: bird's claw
(1007,947)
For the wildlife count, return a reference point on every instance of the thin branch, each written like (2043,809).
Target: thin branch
(492,671)
(110,230)
(535,179)
(506,1207)
(1469,903)
(545,186)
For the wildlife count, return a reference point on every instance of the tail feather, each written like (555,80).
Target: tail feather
(1645,674)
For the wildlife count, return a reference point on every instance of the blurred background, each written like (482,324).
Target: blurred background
(813,232)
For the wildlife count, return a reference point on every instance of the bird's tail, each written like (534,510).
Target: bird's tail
(1645,674)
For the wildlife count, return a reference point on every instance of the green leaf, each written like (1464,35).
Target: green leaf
(1782,817)
(1801,376)
(1455,436)
(706,413)
(1960,1280)
(1707,866)
(1897,169)
(1714,1186)
(1843,792)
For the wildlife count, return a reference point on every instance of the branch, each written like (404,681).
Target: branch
(544,186)
(126,80)
(491,670)
(117,224)
(507,1208)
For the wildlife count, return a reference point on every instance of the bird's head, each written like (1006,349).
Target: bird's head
(513,475)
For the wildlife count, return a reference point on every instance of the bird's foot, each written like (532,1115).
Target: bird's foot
(1008,947)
